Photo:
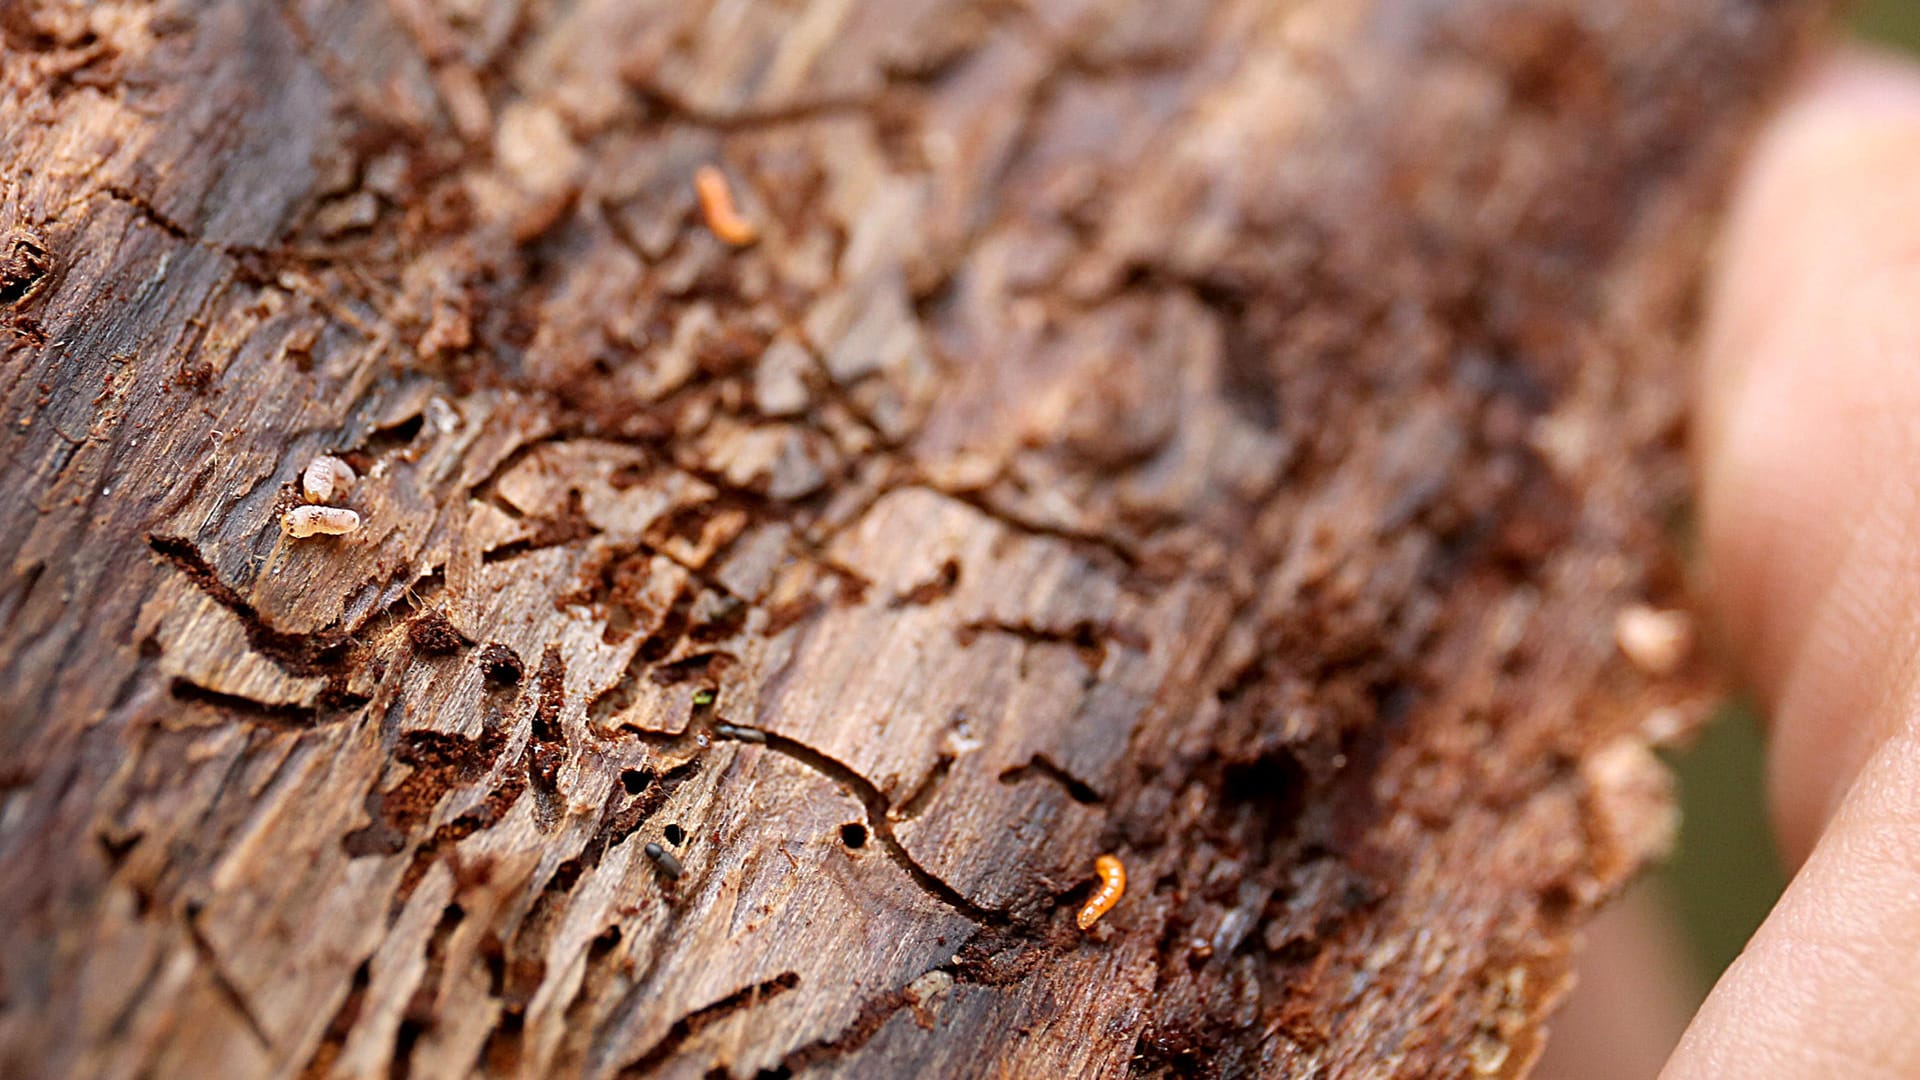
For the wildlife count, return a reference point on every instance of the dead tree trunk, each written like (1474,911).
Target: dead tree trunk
(1220,434)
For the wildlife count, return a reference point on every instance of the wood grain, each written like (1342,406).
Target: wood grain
(1220,434)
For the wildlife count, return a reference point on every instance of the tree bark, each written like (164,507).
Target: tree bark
(1219,434)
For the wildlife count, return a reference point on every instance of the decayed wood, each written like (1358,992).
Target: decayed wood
(1220,434)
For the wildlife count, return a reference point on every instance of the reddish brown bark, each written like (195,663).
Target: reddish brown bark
(1221,434)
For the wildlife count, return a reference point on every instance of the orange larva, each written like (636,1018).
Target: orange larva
(716,204)
(1113,882)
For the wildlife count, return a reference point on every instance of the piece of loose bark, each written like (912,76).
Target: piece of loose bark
(1218,434)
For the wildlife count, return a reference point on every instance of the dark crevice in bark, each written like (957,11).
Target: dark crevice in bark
(691,1024)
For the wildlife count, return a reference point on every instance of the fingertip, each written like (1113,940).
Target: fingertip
(1810,489)
(1826,987)
(1814,201)
(1808,458)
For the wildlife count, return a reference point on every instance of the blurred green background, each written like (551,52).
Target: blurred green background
(1895,21)
(1724,875)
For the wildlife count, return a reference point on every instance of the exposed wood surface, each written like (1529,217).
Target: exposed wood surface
(1219,434)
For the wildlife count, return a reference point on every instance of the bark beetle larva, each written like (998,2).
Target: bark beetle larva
(1113,882)
(1657,642)
(304,521)
(716,205)
(324,476)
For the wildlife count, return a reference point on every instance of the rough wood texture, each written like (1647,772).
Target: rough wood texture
(1216,433)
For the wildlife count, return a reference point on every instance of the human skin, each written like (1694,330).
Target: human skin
(1809,455)
(1810,472)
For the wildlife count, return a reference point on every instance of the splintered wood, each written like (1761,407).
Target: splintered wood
(1218,434)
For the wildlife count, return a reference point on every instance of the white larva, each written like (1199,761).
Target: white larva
(1657,642)
(304,521)
(326,475)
